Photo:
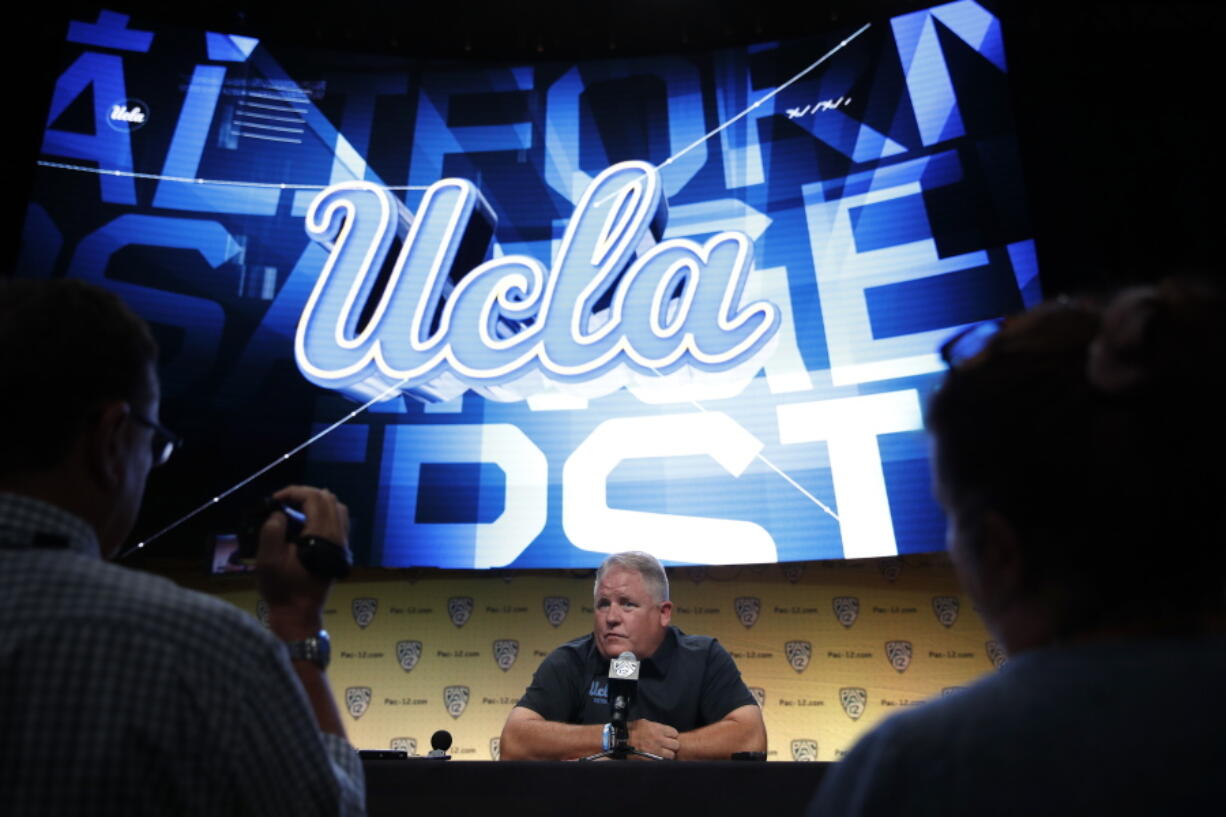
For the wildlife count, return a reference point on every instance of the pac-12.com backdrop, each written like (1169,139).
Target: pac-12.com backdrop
(757,392)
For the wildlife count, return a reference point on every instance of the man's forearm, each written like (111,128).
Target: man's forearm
(547,740)
(717,741)
(293,625)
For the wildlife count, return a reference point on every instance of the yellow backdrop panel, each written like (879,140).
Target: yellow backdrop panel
(829,648)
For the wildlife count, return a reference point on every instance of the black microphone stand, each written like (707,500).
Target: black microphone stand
(621,734)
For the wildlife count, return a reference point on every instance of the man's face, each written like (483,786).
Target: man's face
(628,619)
(964,529)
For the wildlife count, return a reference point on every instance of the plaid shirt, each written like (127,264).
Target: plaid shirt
(122,693)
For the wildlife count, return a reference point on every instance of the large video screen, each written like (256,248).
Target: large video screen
(528,314)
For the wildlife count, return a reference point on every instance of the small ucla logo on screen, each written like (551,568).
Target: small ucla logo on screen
(127,115)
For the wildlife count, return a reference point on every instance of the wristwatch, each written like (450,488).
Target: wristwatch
(317,649)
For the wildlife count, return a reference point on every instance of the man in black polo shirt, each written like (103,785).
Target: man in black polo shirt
(690,705)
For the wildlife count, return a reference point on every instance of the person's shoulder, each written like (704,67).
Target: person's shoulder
(923,732)
(150,607)
(578,648)
(696,643)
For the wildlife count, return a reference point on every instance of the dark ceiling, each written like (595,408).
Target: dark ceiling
(536,29)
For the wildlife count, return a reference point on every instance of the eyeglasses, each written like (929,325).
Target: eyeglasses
(970,341)
(164,440)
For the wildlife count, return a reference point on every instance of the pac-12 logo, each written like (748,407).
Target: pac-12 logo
(804,750)
(946,609)
(899,654)
(357,701)
(408,653)
(853,700)
(459,609)
(747,609)
(616,294)
(996,654)
(798,653)
(506,650)
(556,608)
(364,611)
(455,698)
(846,609)
(406,745)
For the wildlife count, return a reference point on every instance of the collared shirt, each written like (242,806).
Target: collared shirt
(122,693)
(689,682)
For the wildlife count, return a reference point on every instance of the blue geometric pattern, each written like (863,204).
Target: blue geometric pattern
(877,219)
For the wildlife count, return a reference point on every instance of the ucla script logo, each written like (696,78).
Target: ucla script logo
(615,295)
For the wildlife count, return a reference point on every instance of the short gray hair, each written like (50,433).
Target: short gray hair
(644,564)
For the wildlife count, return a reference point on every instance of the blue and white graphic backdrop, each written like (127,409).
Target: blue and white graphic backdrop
(875,202)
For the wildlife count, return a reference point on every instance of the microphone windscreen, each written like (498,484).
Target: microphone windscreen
(441,740)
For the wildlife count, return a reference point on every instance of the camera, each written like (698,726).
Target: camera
(322,558)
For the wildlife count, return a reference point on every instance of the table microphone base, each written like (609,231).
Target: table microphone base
(622,753)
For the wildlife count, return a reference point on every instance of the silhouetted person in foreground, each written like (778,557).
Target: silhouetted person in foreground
(1080,459)
(121,693)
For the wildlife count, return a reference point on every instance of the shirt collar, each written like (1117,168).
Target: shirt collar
(27,523)
(662,659)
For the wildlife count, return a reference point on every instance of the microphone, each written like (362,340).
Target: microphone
(623,683)
(440,742)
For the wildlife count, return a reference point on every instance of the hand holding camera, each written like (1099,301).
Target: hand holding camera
(299,555)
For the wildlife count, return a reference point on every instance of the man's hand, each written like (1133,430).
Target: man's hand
(656,738)
(295,597)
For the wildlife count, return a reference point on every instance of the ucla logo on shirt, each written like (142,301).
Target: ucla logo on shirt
(357,701)
(364,611)
(599,692)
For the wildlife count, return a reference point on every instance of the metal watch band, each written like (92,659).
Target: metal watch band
(316,649)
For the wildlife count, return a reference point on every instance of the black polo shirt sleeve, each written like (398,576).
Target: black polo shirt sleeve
(723,690)
(556,692)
